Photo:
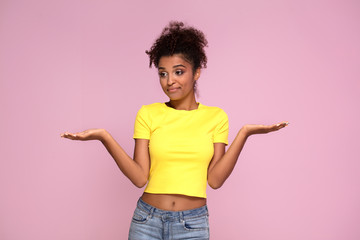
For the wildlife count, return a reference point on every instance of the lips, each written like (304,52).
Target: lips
(172,89)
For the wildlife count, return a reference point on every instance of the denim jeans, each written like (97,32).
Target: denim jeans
(150,223)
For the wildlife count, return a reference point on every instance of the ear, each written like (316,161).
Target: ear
(197,74)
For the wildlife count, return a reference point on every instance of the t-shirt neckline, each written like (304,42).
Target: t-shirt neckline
(182,110)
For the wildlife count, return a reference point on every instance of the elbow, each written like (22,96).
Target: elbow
(215,184)
(140,183)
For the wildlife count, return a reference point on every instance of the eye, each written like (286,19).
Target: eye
(162,74)
(179,72)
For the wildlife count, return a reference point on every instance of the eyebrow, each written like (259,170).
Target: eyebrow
(179,65)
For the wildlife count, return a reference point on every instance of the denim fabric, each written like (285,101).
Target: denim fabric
(150,223)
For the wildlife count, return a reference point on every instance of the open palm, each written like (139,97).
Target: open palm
(260,129)
(90,134)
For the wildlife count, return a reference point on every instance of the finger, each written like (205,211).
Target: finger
(74,135)
(275,127)
(282,125)
(79,134)
(69,135)
(64,135)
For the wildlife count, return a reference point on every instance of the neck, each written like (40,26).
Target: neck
(183,105)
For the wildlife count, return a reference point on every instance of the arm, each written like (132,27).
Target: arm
(223,163)
(137,169)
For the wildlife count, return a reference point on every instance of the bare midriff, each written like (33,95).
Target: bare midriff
(173,202)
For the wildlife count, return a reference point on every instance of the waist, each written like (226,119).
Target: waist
(173,202)
(184,214)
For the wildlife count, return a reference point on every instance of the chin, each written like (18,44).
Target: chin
(173,98)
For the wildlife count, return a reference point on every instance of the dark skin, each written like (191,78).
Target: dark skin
(177,80)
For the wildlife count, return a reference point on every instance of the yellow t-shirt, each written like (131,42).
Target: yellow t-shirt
(180,146)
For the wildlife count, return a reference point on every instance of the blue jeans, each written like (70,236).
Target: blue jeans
(150,223)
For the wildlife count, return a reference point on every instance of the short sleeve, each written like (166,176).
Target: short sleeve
(222,130)
(142,124)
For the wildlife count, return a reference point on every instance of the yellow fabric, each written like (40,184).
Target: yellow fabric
(180,146)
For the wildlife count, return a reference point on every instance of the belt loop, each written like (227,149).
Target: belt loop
(181,216)
(152,209)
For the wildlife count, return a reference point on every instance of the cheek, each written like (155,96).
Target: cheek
(190,82)
(162,83)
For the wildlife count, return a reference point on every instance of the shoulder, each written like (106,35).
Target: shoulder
(151,109)
(213,110)
(152,106)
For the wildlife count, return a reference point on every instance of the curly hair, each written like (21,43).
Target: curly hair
(177,38)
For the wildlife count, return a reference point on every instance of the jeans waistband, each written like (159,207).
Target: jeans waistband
(186,214)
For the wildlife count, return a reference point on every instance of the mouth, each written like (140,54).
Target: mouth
(171,90)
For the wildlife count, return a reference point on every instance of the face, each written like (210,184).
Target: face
(177,78)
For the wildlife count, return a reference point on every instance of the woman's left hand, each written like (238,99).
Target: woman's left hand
(251,129)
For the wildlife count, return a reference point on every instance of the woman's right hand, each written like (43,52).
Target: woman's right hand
(90,134)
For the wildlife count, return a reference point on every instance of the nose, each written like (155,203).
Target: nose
(170,80)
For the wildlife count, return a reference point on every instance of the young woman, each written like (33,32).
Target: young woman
(179,145)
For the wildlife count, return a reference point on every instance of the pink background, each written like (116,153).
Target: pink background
(73,65)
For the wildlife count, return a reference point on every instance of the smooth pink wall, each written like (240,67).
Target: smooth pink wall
(73,65)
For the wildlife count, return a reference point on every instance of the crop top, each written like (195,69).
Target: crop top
(180,146)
